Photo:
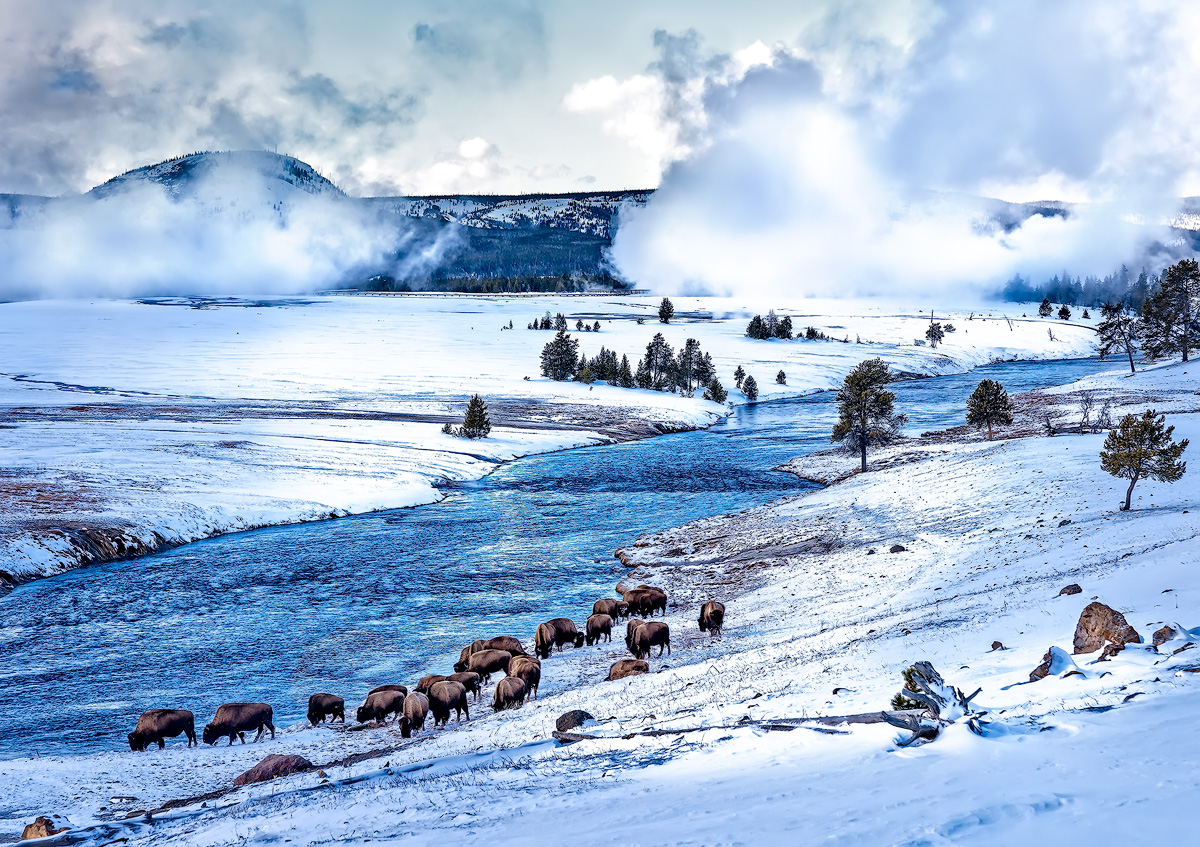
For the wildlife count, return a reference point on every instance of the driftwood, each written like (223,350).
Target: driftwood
(944,704)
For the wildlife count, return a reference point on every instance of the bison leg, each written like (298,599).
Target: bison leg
(271,727)
(162,743)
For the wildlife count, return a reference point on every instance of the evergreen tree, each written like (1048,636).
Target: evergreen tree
(476,423)
(757,328)
(560,322)
(1142,447)
(866,415)
(625,375)
(1086,315)
(781,377)
(659,360)
(738,376)
(989,406)
(596,326)
(560,357)
(1117,331)
(705,370)
(585,375)
(935,334)
(642,377)
(771,322)
(666,311)
(579,325)
(1064,314)
(688,365)
(1171,314)
(1045,309)
(716,392)
(750,388)
(784,329)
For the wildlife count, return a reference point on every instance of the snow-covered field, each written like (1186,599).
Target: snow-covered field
(127,426)
(817,626)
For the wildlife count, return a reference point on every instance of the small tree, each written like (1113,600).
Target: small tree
(757,328)
(1142,447)
(934,334)
(1086,315)
(738,376)
(596,326)
(585,375)
(1064,312)
(784,328)
(781,378)
(1118,331)
(750,388)
(476,423)
(666,310)
(579,325)
(1045,309)
(625,374)
(560,356)
(989,406)
(716,392)
(560,322)
(866,415)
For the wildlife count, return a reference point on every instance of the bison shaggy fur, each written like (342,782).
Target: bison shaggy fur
(236,719)
(447,695)
(416,708)
(156,725)
(627,667)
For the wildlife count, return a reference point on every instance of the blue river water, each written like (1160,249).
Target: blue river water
(341,606)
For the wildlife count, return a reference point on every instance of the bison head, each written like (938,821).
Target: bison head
(211,734)
(405,727)
(363,714)
(137,742)
(579,639)
(460,666)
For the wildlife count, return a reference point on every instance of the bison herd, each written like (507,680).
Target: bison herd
(441,695)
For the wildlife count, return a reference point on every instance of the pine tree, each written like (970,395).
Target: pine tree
(560,322)
(659,360)
(1064,313)
(688,365)
(560,357)
(784,329)
(476,423)
(738,376)
(1118,331)
(1171,314)
(579,325)
(989,406)
(642,377)
(750,388)
(1045,309)
(771,322)
(596,326)
(666,311)
(706,371)
(625,375)
(935,334)
(757,328)
(781,377)
(1142,447)
(716,392)
(585,375)
(866,416)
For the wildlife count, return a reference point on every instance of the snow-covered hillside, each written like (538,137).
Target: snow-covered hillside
(718,744)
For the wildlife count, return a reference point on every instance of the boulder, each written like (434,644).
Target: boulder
(1064,522)
(274,766)
(996,645)
(1073,588)
(1163,635)
(572,720)
(1056,662)
(897,548)
(1100,624)
(43,827)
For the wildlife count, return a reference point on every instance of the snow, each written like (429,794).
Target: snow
(1103,756)
(173,419)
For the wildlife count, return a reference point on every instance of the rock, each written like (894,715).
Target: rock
(1163,635)
(572,720)
(897,548)
(871,551)
(43,827)
(1073,588)
(1110,649)
(996,645)
(1043,670)
(274,766)
(1056,662)
(1063,522)
(1099,624)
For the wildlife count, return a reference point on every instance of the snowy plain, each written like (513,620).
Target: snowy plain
(818,625)
(156,422)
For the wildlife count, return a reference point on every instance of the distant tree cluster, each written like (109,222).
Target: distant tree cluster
(769,327)
(1118,287)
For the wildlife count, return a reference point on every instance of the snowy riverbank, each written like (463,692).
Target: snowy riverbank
(132,426)
(1092,755)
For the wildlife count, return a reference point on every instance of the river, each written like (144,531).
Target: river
(344,605)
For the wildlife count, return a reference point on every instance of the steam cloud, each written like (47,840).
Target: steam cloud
(855,164)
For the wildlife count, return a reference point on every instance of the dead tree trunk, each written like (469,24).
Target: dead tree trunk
(944,705)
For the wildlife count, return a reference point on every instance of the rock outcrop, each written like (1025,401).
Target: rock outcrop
(1100,624)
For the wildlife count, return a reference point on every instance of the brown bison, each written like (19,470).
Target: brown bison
(487,662)
(712,616)
(528,670)
(599,626)
(236,719)
(321,706)
(646,600)
(606,607)
(416,707)
(427,682)
(510,694)
(379,705)
(556,633)
(508,643)
(622,610)
(470,681)
(401,688)
(627,667)
(443,697)
(630,629)
(648,635)
(158,724)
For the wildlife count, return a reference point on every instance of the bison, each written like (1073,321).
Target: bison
(416,707)
(158,724)
(646,600)
(630,629)
(622,610)
(508,643)
(470,681)
(487,662)
(648,635)
(510,694)
(443,697)
(606,607)
(427,682)
(236,719)
(712,616)
(321,706)
(528,670)
(556,633)
(379,705)
(627,667)
(403,689)
(597,626)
